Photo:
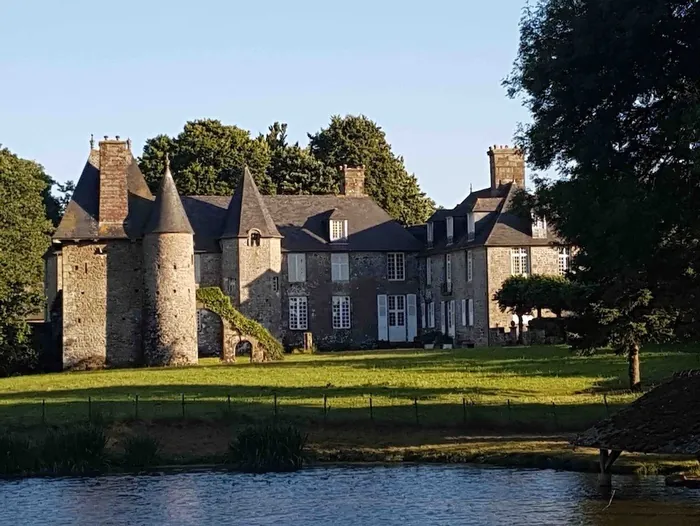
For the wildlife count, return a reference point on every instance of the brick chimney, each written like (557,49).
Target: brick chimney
(507,166)
(353,182)
(115,156)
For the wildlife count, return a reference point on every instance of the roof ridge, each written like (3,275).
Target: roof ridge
(247,211)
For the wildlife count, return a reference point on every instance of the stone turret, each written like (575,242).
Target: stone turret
(507,165)
(170,323)
(251,259)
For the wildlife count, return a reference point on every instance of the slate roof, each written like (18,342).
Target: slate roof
(168,215)
(247,211)
(665,420)
(80,220)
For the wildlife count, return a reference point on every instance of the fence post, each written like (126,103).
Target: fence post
(554,413)
(605,400)
(325,407)
(464,411)
(510,416)
(183,405)
(89,408)
(275,404)
(228,400)
(43,412)
(371,409)
(415,405)
(136,407)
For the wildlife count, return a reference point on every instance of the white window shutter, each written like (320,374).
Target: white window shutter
(301,267)
(423,320)
(428,271)
(197,268)
(383,327)
(464,313)
(471,312)
(443,317)
(292,267)
(411,319)
(335,268)
(451,321)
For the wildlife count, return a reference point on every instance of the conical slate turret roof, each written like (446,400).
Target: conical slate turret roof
(168,215)
(247,211)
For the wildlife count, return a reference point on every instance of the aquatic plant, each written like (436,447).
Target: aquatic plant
(79,449)
(141,451)
(268,448)
(18,455)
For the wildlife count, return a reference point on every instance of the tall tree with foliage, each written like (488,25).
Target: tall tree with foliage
(24,238)
(516,296)
(357,140)
(614,93)
(207,158)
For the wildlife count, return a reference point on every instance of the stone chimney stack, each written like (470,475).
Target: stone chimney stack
(507,166)
(353,182)
(115,157)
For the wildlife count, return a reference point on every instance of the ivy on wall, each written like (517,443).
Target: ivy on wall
(213,299)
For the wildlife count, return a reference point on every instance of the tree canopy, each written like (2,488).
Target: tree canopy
(208,157)
(614,93)
(23,241)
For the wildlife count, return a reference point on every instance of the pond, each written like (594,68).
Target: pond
(387,495)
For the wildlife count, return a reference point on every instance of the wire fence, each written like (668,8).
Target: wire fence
(462,412)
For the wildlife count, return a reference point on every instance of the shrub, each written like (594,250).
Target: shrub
(268,448)
(78,449)
(141,451)
(430,337)
(18,455)
(216,301)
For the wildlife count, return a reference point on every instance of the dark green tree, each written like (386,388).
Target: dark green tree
(516,296)
(207,158)
(293,170)
(614,94)
(23,241)
(357,140)
(55,205)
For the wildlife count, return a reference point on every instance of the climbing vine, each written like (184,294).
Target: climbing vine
(213,299)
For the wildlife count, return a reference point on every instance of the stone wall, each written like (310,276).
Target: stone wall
(102,304)
(210,269)
(113,194)
(170,327)
(368,278)
(209,333)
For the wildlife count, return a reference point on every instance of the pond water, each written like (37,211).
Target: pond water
(357,496)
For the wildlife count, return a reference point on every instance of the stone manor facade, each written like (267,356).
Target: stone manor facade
(124,266)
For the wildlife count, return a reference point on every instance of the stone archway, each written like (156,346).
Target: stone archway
(234,342)
(210,328)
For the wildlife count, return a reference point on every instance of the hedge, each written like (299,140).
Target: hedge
(216,301)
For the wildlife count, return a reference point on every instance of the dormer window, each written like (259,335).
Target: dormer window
(429,230)
(339,229)
(450,222)
(539,227)
(254,238)
(470,226)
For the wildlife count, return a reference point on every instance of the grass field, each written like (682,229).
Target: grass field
(528,389)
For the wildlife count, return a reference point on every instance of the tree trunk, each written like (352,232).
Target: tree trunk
(634,372)
(520,329)
(539,312)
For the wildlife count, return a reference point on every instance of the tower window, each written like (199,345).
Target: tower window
(254,239)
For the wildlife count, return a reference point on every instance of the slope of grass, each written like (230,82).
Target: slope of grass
(535,388)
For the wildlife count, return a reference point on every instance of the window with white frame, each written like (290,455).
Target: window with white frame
(296,267)
(450,316)
(464,313)
(340,267)
(539,227)
(428,271)
(519,264)
(339,229)
(429,232)
(396,266)
(470,226)
(298,316)
(431,314)
(471,312)
(198,268)
(470,266)
(450,222)
(564,260)
(448,268)
(341,312)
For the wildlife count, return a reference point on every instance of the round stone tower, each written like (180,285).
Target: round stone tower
(170,317)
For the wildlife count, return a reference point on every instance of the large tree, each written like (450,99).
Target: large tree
(614,92)
(24,238)
(357,140)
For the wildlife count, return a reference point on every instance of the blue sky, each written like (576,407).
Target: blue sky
(428,72)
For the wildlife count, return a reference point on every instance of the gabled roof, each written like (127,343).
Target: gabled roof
(302,221)
(168,215)
(80,220)
(664,420)
(247,211)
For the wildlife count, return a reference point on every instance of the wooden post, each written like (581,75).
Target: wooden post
(606,460)
(136,407)
(510,417)
(308,342)
(228,399)
(274,401)
(89,408)
(325,407)
(605,400)
(183,405)
(415,405)
(371,410)
(464,411)
(43,412)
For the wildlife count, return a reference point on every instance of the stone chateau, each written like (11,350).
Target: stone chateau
(124,266)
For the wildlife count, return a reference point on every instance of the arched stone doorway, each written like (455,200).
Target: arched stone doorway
(209,333)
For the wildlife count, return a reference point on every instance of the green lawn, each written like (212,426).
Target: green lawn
(536,388)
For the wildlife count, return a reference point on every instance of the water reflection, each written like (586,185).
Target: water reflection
(401,495)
